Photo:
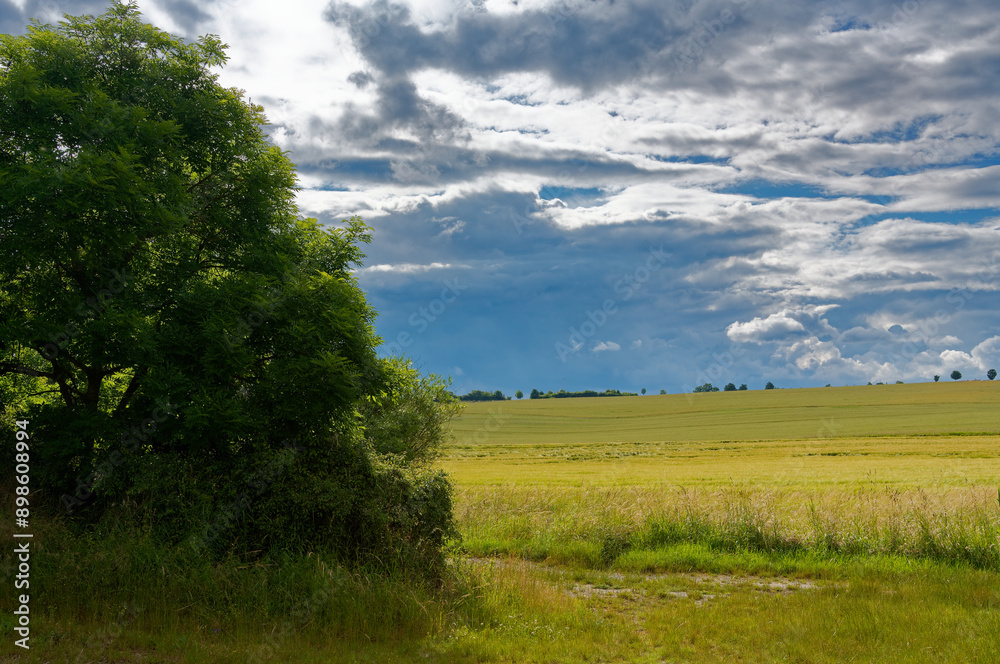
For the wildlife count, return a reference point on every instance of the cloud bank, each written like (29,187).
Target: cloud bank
(821,176)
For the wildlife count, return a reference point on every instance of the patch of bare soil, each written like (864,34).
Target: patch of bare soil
(699,587)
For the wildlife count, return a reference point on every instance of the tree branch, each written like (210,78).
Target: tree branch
(24,370)
(130,391)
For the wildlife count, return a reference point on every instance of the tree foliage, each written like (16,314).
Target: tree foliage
(178,336)
(956,375)
(563,394)
(482,395)
(991,374)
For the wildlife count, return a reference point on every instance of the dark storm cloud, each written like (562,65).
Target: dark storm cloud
(593,45)
(14,21)
(187,14)
(360,79)
(772,46)
(401,106)
(453,163)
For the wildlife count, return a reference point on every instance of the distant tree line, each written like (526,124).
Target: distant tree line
(957,375)
(563,394)
(480,395)
(730,387)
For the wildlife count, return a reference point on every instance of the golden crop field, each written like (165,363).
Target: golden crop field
(813,525)
(919,435)
(825,412)
(893,469)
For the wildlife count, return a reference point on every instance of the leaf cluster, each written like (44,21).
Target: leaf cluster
(165,312)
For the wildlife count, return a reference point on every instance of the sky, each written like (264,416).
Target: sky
(595,194)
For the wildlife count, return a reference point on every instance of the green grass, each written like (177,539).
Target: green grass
(824,525)
(683,603)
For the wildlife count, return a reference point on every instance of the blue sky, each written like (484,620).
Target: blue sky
(643,194)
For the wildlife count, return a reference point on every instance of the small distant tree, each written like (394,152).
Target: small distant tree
(730,387)
(743,387)
(769,386)
(937,378)
(535,394)
(991,374)
(663,391)
(707,387)
(644,390)
(519,394)
(956,375)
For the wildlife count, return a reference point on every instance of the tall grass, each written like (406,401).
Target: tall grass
(112,594)
(92,593)
(595,526)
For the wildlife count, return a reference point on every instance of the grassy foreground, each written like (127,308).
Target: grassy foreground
(877,490)
(823,525)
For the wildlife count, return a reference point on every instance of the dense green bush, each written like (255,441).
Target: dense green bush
(189,352)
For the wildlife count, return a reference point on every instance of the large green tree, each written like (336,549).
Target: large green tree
(176,334)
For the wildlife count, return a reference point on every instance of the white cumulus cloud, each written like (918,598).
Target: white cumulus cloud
(758,330)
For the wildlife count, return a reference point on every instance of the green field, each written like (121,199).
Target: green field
(813,525)
(803,414)
(816,525)
(909,436)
